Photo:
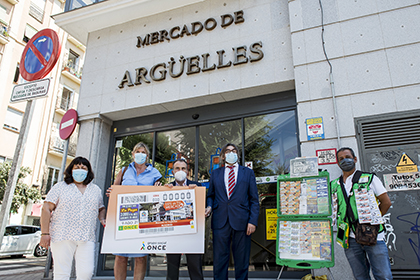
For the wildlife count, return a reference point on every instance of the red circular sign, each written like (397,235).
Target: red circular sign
(68,124)
(40,55)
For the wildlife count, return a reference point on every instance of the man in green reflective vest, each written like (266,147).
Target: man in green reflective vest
(361,257)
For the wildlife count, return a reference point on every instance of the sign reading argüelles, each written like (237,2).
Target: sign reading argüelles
(193,66)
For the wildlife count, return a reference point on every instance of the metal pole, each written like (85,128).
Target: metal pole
(64,161)
(14,170)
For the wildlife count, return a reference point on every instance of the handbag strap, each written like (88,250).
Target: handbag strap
(124,169)
(349,212)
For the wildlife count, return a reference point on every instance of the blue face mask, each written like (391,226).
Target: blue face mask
(79,175)
(140,158)
(231,158)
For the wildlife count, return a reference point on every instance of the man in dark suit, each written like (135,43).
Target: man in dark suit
(233,198)
(194,262)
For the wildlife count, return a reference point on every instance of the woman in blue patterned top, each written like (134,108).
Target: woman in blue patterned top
(138,173)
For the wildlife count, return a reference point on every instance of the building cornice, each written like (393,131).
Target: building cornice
(80,22)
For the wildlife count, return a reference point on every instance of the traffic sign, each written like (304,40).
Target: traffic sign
(68,124)
(40,55)
(30,90)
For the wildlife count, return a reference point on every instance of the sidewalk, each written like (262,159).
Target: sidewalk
(36,275)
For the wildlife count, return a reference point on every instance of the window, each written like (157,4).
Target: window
(28,230)
(3,15)
(51,179)
(29,33)
(73,62)
(17,74)
(13,119)
(66,98)
(12,230)
(74,4)
(4,159)
(57,7)
(37,9)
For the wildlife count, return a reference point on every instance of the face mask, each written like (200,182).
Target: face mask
(347,164)
(140,158)
(79,175)
(231,158)
(180,176)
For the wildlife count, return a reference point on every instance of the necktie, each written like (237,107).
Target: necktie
(231,180)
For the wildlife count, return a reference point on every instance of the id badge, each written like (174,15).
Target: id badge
(364,179)
(343,235)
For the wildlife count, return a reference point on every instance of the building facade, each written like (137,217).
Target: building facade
(43,154)
(187,76)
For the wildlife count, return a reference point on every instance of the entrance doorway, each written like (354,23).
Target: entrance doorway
(267,141)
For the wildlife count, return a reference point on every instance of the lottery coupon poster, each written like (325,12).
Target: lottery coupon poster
(305,240)
(155,220)
(304,197)
(155,213)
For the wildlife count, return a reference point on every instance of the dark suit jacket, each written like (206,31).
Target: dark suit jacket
(242,207)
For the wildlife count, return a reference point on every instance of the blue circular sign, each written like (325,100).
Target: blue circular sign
(43,49)
(40,55)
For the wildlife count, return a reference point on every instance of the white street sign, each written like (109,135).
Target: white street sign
(30,90)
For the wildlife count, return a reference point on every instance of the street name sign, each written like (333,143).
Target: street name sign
(30,90)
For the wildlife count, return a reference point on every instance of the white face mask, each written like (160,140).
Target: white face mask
(180,176)
(231,158)
(140,158)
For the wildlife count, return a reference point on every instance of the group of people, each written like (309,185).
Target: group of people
(68,219)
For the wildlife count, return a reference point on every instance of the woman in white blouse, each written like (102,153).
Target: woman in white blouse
(68,220)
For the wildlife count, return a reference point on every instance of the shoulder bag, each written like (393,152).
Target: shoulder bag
(366,234)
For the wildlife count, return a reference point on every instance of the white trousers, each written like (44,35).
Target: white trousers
(63,252)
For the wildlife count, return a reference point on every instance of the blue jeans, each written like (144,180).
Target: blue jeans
(361,258)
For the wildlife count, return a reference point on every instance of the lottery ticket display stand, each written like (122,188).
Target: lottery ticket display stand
(304,226)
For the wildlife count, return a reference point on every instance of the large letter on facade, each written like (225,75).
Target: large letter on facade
(141,74)
(255,48)
(126,79)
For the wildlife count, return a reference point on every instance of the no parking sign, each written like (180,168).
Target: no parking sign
(40,55)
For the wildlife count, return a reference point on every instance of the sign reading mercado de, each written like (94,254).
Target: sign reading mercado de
(197,63)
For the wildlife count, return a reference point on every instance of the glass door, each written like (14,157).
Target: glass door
(267,142)
(270,143)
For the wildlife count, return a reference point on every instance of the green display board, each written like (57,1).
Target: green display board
(304,229)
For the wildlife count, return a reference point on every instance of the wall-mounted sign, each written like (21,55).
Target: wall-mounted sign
(193,28)
(30,90)
(326,156)
(304,167)
(195,64)
(402,181)
(315,128)
(406,164)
